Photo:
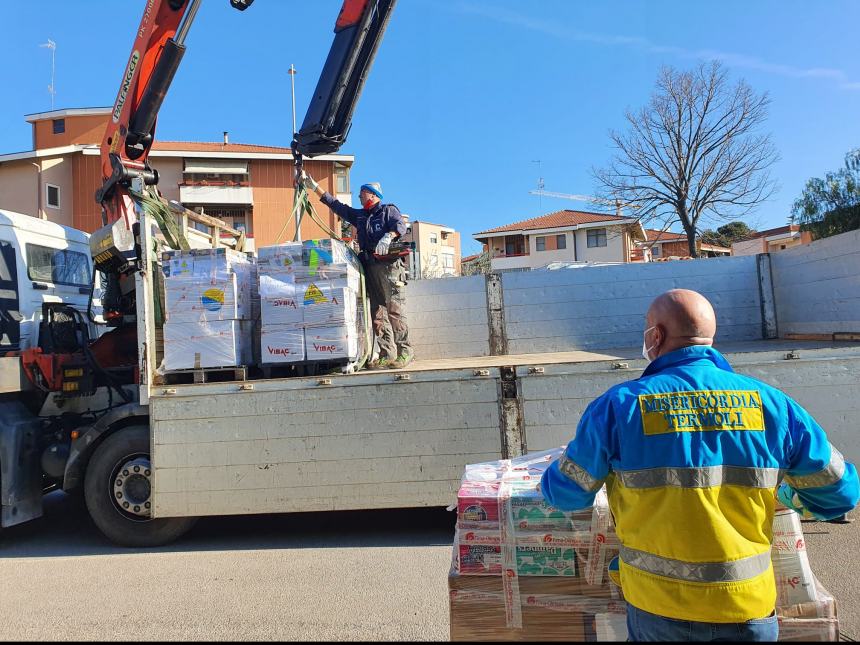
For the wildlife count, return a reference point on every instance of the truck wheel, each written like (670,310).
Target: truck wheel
(117,490)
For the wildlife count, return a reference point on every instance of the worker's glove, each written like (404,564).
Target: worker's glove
(309,182)
(384,244)
(788,498)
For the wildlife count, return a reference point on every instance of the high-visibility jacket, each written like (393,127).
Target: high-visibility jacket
(691,454)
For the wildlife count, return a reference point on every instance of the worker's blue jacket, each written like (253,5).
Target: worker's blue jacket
(691,454)
(371,225)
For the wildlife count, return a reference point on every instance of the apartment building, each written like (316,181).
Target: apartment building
(249,186)
(437,250)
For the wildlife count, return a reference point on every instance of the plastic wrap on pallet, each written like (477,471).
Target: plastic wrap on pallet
(522,570)
(282,343)
(281,258)
(210,299)
(205,263)
(326,343)
(311,287)
(190,298)
(196,345)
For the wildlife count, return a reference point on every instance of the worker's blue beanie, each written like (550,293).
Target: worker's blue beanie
(374,188)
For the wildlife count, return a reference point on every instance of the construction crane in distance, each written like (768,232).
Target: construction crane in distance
(618,204)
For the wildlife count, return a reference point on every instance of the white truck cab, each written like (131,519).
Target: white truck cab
(40,262)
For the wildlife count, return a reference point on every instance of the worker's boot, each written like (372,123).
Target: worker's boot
(379,364)
(402,361)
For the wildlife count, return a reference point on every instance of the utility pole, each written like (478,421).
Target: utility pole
(51,88)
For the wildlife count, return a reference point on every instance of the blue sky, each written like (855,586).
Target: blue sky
(465,95)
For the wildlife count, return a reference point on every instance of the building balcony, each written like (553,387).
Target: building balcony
(511,261)
(197,194)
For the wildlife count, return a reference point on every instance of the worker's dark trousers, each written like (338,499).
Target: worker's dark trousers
(386,289)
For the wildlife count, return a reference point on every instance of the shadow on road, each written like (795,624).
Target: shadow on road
(67,530)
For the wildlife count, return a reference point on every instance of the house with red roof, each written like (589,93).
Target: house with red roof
(663,245)
(562,236)
(772,240)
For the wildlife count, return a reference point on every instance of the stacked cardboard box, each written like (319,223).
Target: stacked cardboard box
(523,570)
(209,295)
(309,305)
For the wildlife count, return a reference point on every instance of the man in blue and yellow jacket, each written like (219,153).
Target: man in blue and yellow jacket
(691,454)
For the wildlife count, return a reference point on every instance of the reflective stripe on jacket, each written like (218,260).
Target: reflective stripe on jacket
(691,454)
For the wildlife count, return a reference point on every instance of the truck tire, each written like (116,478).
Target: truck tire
(117,492)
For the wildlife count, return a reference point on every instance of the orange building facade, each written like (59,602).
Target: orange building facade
(249,186)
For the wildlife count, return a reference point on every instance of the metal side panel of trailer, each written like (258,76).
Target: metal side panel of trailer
(401,439)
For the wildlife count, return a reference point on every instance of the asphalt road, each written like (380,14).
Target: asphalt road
(377,575)
(328,576)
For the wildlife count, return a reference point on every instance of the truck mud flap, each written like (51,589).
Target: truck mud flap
(20,467)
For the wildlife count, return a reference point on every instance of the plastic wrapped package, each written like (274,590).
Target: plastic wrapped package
(196,345)
(282,343)
(810,621)
(311,289)
(523,570)
(209,308)
(281,258)
(190,298)
(326,343)
(795,584)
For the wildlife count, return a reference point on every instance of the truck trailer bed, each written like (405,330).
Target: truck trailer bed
(401,438)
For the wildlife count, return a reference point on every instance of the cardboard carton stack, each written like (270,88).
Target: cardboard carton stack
(523,570)
(209,296)
(309,304)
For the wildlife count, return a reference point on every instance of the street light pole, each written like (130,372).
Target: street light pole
(292,72)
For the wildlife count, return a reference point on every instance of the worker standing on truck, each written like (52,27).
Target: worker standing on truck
(378,225)
(691,454)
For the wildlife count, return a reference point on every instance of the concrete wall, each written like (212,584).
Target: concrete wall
(817,286)
(604,307)
(448,317)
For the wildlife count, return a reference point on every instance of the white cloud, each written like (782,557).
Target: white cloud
(732,59)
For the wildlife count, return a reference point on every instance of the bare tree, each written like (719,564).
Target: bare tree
(694,151)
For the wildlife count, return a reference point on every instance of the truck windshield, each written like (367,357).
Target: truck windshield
(58,266)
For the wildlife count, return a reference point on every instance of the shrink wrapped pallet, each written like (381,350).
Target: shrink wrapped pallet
(209,305)
(200,345)
(523,570)
(310,292)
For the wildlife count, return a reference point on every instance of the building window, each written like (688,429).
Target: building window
(596,237)
(655,251)
(59,126)
(52,195)
(448,261)
(434,239)
(341,175)
(540,243)
(58,266)
(561,241)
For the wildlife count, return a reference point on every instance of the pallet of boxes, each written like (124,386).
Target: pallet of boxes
(523,570)
(312,305)
(208,312)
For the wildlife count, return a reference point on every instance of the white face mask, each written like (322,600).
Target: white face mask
(645,349)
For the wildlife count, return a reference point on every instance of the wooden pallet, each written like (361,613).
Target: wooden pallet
(206,375)
(305,368)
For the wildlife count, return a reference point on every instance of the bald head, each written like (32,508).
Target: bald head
(680,318)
